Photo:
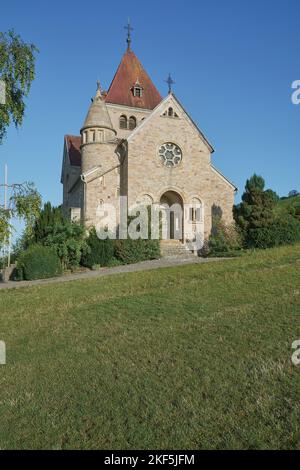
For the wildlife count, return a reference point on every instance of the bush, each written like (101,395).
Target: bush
(99,252)
(130,251)
(38,262)
(283,231)
(111,252)
(69,243)
(294,209)
(54,230)
(225,239)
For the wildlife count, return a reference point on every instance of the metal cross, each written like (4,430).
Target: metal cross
(170,82)
(129,29)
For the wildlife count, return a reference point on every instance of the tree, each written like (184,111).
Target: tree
(255,212)
(272,195)
(17,70)
(49,219)
(68,238)
(255,183)
(24,202)
(293,193)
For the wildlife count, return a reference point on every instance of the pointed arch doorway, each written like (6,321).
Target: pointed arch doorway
(172,207)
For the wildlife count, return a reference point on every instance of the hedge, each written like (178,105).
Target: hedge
(100,252)
(37,262)
(283,231)
(133,251)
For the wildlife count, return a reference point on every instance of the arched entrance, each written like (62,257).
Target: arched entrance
(172,221)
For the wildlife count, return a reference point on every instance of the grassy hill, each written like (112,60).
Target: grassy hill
(195,356)
(285,204)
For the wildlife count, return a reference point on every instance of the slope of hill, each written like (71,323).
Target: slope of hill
(180,358)
(285,205)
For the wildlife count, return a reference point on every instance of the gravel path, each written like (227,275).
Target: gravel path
(129,268)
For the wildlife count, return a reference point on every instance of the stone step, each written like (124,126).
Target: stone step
(175,249)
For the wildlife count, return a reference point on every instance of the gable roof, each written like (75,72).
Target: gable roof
(218,172)
(159,109)
(73,143)
(129,72)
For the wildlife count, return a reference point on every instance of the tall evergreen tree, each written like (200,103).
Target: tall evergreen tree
(255,212)
(49,220)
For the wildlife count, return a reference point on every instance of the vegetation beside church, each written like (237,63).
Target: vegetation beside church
(260,224)
(68,242)
(38,262)
(262,220)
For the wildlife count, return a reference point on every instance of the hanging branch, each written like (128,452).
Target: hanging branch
(24,203)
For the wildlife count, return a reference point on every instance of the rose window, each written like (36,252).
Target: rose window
(170,154)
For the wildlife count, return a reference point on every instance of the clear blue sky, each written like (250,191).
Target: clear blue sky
(233,62)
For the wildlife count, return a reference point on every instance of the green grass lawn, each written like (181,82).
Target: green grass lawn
(190,357)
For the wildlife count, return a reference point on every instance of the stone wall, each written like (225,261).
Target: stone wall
(115,111)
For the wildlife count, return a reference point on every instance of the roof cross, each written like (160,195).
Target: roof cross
(170,82)
(129,29)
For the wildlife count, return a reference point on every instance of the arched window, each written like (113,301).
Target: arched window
(132,122)
(123,122)
(170,112)
(196,214)
(145,200)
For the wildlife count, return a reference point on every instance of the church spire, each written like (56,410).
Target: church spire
(121,90)
(129,29)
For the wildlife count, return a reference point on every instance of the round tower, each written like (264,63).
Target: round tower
(96,131)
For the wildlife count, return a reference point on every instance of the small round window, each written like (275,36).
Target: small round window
(170,154)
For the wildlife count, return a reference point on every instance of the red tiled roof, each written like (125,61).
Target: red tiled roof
(73,145)
(120,91)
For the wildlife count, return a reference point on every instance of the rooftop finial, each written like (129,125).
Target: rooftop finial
(129,29)
(170,82)
(98,85)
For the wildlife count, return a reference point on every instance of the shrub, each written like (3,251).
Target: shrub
(294,209)
(38,262)
(69,243)
(130,251)
(114,262)
(283,231)
(110,252)
(133,251)
(17,274)
(66,237)
(225,239)
(99,252)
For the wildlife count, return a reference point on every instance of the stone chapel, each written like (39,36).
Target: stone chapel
(137,144)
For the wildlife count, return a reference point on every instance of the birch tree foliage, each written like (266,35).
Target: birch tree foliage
(17,72)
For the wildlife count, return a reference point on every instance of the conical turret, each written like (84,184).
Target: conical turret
(96,131)
(97,119)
